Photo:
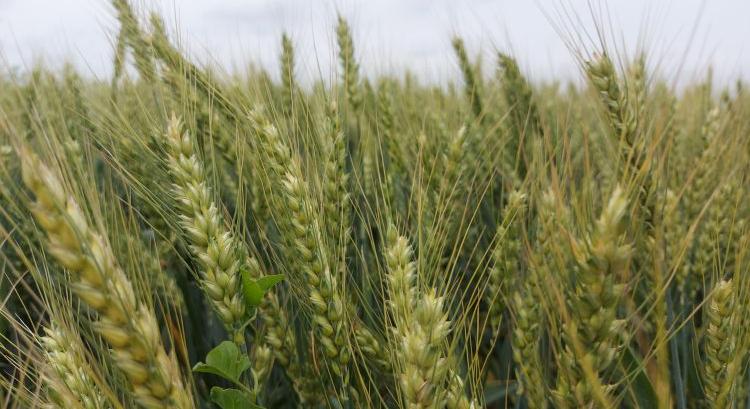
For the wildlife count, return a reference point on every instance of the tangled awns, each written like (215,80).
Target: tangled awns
(178,237)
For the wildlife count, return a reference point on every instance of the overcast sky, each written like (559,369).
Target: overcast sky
(395,34)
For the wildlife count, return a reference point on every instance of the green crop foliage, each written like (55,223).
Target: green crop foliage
(178,237)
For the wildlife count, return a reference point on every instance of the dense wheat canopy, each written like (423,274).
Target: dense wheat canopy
(178,237)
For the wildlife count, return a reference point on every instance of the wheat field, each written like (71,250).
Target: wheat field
(179,237)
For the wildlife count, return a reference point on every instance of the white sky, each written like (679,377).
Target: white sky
(394,34)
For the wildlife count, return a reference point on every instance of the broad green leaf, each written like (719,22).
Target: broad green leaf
(266,282)
(692,362)
(233,399)
(497,392)
(226,361)
(254,290)
(643,395)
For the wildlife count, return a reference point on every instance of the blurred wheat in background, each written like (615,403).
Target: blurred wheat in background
(177,237)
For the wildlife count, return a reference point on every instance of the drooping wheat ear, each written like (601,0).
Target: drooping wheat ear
(719,345)
(711,126)
(121,47)
(456,397)
(654,257)
(506,258)
(527,335)
(348,63)
(272,147)
(29,98)
(128,326)
(133,37)
(593,333)
(444,204)
(401,274)
(602,73)
(80,123)
(737,230)
(549,235)
(385,122)
(262,363)
(288,83)
(523,111)
(420,328)
(637,84)
(63,352)
(277,156)
(372,347)
(712,239)
(518,95)
(211,241)
(673,134)
(278,332)
(623,119)
(472,84)
(301,227)
(303,233)
(366,154)
(336,204)
(280,336)
(424,364)
(452,190)
(733,389)
(702,183)
(395,160)
(674,237)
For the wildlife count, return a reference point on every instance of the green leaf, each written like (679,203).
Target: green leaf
(643,395)
(497,391)
(266,282)
(233,399)
(254,290)
(226,361)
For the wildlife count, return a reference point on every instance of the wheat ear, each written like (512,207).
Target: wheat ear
(506,257)
(420,328)
(719,346)
(213,244)
(592,334)
(128,326)
(63,353)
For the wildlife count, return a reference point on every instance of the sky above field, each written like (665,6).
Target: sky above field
(682,37)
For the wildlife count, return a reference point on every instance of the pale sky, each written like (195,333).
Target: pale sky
(391,35)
